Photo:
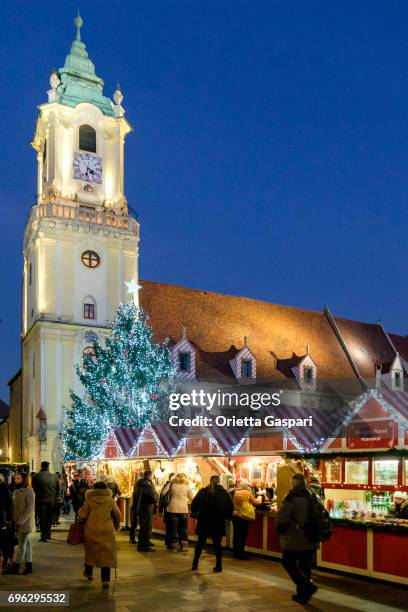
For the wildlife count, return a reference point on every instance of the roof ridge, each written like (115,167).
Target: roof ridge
(227,295)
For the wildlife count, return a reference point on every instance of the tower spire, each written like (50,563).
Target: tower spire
(78,24)
(79,81)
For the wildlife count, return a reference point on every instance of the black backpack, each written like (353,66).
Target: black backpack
(164,499)
(318,527)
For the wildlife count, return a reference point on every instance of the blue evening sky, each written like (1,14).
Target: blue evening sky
(270,148)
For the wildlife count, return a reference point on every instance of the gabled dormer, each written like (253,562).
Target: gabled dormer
(183,355)
(305,372)
(397,374)
(391,374)
(244,365)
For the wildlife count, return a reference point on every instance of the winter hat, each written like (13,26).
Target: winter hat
(400,495)
(243,483)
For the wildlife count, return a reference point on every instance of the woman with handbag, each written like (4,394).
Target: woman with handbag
(24,520)
(212,507)
(102,518)
(244,514)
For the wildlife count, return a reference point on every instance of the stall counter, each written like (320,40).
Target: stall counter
(369,549)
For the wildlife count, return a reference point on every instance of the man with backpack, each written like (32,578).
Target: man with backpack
(302,523)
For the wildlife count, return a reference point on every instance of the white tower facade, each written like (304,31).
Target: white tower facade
(80,244)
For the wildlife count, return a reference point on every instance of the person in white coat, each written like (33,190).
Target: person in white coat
(24,520)
(177,513)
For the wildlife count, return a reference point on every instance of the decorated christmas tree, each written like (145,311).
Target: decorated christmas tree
(127,378)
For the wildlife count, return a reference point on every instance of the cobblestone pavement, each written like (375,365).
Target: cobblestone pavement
(163,581)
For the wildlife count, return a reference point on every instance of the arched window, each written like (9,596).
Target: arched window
(87,138)
(88,351)
(89,308)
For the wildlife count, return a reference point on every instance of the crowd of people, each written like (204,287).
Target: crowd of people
(34,502)
(31,502)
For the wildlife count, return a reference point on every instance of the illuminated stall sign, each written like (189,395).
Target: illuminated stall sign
(371,434)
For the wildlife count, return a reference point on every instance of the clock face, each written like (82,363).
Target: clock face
(87,167)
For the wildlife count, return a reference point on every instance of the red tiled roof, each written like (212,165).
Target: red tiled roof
(216,325)
(401,345)
(367,344)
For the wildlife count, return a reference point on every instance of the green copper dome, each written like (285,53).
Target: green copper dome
(79,82)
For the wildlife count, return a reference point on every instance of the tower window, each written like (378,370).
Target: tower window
(89,311)
(90,259)
(184,362)
(87,138)
(30,274)
(246,368)
(308,375)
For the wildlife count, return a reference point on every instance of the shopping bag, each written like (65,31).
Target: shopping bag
(76,533)
(246,511)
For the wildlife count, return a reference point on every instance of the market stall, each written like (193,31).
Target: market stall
(357,453)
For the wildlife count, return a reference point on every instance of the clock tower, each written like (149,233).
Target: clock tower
(80,243)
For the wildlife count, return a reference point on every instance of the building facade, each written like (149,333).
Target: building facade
(80,243)
(81,250)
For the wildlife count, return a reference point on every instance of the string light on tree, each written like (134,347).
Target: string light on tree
(127,383)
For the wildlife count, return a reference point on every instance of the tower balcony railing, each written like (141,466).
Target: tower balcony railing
(60,210)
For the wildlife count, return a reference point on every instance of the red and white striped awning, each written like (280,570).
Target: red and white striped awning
(324,423)
(398,400)
(169,437)
(128,438)
(229,439)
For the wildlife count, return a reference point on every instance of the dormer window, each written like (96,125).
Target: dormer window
(396,374)
(246,368)
(184,362)
(87,138)
(183,355)
(308,375)
(305,371)
(397,380)
(244,365)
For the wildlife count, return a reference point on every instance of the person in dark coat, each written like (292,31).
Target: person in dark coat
(6,524)
(5,501)
(77,491)
(145,498)
(297,548)
(59,500)
(46,488)
(114,487)
(212,506)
